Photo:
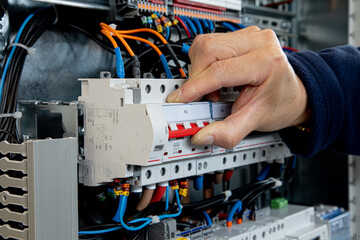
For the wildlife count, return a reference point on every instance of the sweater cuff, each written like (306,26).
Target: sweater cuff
(326,101)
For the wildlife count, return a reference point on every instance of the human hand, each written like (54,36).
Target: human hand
(272,96)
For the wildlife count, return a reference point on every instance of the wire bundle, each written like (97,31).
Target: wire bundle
(109,32)
(30,31)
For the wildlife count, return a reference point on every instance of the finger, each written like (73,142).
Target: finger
(229,132)
(213,97)
(209,48)
(229,73)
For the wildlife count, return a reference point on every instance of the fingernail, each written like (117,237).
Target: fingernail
(203,139)
(174,96)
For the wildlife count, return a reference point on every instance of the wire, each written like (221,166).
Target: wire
(108,35)
(190,24)
(207,218)
(168,47)
(184,26)
(140,30)
(168,33)
(21,29)
(174,215)
(161,55)
(13,137)
(289,49)
(167,198)
(235,208)
(229,26)
(126,45)
(122,205)
(95,232)
(92,37)
(198,25)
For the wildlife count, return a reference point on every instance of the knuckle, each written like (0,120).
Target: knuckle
(204,44)
(252,29)
(269,35)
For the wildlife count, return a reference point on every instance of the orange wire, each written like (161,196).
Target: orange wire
(143,30)
(126,45)
(144,41)
(112,40)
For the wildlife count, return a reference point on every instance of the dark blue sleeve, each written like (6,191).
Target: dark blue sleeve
(332,81)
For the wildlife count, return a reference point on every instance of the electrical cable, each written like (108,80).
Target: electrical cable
(235,208)
(29,32)
(205,24)
(179,32)
(161,55)
(167,198)
(92,37)
(184,26)
(167,45)
(207,218)
(229,26)
(190,24)
(198,25)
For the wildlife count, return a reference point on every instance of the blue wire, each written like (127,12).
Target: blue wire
(263,173)
(147,221)
(185,49)
(190,24)
(23,25)
(118,212)
(235,208)
(207,218)
(167,198)
(229,26)
(167,33)
(174,214)
(166,67)
(294,162)
(101,231)
(211,25)
(187,26)
(198,25)
(204,23)
(198,182)
(241,26)
(120,70)
(123,207)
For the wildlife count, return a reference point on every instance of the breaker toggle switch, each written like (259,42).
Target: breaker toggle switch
(185,131)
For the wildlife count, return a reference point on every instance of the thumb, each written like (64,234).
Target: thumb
(227,133)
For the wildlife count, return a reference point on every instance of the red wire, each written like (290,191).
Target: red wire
(290,49)
(184,26)
(159,192)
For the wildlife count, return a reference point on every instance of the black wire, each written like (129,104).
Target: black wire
(10,135)
(31,33)
(179,32)
(92,37)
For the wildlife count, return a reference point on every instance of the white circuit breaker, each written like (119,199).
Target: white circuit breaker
(130,130)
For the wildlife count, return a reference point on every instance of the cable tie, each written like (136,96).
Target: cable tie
(277,182)
(227,194)
(155,219)
(30,50)
(113,26)
(56,15)
(16,115)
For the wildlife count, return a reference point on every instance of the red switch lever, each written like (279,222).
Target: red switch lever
(182,132)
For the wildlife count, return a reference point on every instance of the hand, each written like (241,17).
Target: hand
(272,97)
